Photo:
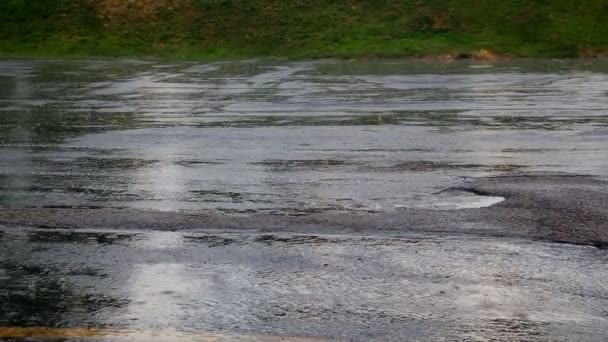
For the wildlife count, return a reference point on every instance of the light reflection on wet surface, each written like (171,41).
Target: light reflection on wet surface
(397,288)
(290,137)
(294,138)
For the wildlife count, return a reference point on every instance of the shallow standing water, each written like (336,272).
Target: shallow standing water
(290,139)
(172,286)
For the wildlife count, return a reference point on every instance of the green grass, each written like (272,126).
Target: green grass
(211,29)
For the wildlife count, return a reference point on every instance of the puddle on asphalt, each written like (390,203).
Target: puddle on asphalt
(455,200)
(260,286)
(40,296)
(290,138)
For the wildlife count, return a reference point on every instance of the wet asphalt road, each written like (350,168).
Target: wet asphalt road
(394,287)
(328,200)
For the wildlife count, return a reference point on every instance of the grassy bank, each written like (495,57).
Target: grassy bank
(303,28)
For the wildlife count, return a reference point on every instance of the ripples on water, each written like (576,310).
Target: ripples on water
(164,286)
(281,137)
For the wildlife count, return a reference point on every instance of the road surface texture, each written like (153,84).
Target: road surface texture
(269,200)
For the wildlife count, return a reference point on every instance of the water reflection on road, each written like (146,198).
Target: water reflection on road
(180,286)
(289,137)
(297,138)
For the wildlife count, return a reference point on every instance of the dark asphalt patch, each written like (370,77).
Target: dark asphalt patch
(564,208)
